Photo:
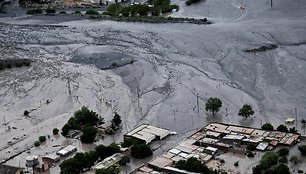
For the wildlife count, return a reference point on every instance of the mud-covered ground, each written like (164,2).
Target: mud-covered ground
(171,64)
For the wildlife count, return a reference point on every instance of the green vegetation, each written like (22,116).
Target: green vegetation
(154,8)
(62,12)
(111,170)
(189,2)
(283,151)
(250,154)
(192,165)
(282,169)
(267,126)
(42,139)
(213,105)
(246,111)
(84,161)
(116,121)
(55,131)
(294,159)
(77,12)
(89,134)
(282,128)
(50,10)
(35,11)
(128,142)
(302,149)
(37,143)
(124,160)
(26,113)
(10,63)
(268,159)
(92,12)
(141,151)
(251,147)
(283,160)
(2,10)
(303,121)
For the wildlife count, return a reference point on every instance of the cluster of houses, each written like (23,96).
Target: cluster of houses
(213,139)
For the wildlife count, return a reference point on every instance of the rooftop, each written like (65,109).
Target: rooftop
(5,169)
(109,161)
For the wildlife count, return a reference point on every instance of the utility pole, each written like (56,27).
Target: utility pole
(271,3)
(296,120)
(198,109)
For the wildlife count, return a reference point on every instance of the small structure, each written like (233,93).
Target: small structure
(262,146)
(109,161)
(51,159)
(211,150)
(147,133)
(160,162)
(5,169)
(66,151)
(230,138)
(32,161)
(289,120)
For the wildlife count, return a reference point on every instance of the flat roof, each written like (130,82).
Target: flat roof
(148,133)
(109,161)
(161,162)
(262,146)
(240,129)
(233,137)
(217,127)
(211,149)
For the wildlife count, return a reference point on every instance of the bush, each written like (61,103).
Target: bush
(92,12)
(236,164)
(192,165)
(222,161)
(267,126)
(294,159)
(37,143)
(77,12)
(26,113)
(63,12)
(50,10)
(251,147)
(302,149)
(257,169)
(300,171)
(282,169)
(283,151)
(283,160)
(128,142)
(268,159)
(141,151)
(89,134)
(124,160)
(282,128)
(42,139)
(189,2)
(35,11)
(55,131)
(250,154)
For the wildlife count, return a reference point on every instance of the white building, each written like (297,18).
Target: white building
(66,151)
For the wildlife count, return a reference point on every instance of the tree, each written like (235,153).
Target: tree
(267,126)
(246,111)
(302,149)
(256,169)
(282,128)
(117,119)
(303,122)
(42,139)
(282,169)
(37,143)
(89,134)
(141,151)
(283,151)
(124,160)
(115,169)
(55,131)
(192,165)
(268,159)
(213,105)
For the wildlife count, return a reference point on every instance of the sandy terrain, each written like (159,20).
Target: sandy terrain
(173,63)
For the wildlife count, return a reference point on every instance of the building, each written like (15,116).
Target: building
(66,151)
(51,159)
(109,161)
(5,169)
(147,133)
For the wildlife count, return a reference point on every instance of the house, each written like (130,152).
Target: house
(147,133)
(211,150)
(51,159)
(289,120)
(109,161)
(66,151)
(5,169)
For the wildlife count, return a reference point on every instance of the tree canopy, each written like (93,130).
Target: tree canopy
(282,128)
(246,111)
(267,126)
(302,149)
(213,105)
(192,165)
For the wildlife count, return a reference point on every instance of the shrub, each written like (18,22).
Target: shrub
(63,12)
(125,160)
(50,10)
(55,131)
(222,161)
(268,159)
(77,12)
(26,113)
(302,149)
(267,126)
(35,11)
(300,171)
(141,151)
(282,128)
(282,169)
(236,164)
(42,139)
(294,159)
(283,151)
(37,143)
(250,154)
(89,134)
(257,169)
(128,142)
(283,160)
(92,12)
(251,147)
(189,2)
(192,165)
